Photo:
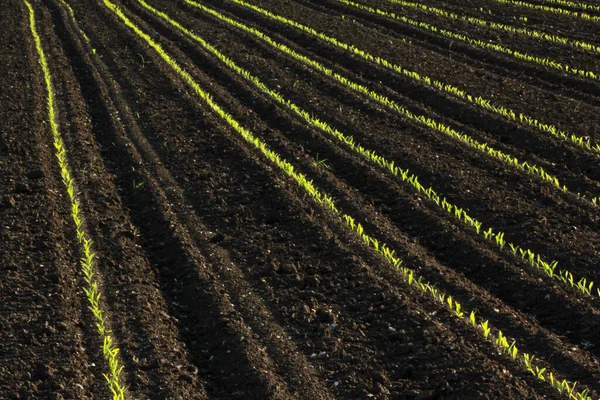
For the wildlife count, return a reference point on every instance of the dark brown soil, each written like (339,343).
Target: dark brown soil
(220,277)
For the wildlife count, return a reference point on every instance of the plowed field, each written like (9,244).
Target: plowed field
(299,199)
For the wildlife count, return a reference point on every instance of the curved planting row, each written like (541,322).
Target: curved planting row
(505,344)
(574,43)
(543,61)
(541,7)
(92,291)
(72,15)
(496,237)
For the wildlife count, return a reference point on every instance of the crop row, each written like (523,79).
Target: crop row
(509,347)
(483,327)
(421,79)
(72,15)
(392,105)
(503,27)
(574,4)
(541,7)
(544,61)
(495,237)
(92,291)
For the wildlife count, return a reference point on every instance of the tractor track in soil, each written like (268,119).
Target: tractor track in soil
(220,277)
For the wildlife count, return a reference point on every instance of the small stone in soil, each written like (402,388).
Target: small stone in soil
(8,202)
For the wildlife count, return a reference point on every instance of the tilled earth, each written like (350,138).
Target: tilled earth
(220,277)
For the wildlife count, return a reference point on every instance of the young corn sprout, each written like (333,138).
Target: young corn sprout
(513,350)
(528,359)
(500,240)
(584,286)
(539,373)
(457,311)
(488,234)
(501,340)
(486,329)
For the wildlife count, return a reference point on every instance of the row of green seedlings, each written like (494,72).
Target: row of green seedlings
(495,237)
(514,17)
(91,289)
(424,80)
(72,15)
(543,61)
(522,18)
(573,4)
(482,327)
(498,26)
(383,100)
(541,7)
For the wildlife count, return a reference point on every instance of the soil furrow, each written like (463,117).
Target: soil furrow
(516,93)
(462,190)
(507,58)
(570,368)
(578,172)
(584,89)
(222,274)
(43,349)
(143,323)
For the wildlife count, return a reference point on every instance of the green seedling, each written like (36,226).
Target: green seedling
(528,359)
(472,319)
(137,185)
(486,329)
(320,163)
